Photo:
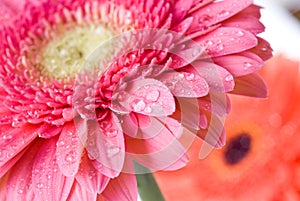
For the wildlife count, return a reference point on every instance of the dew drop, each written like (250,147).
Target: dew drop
(264,49)
(111,132)
(223,13)
(70,157)
(105,125)
(189,76)
(229,78)
(247,65)
(148,109)
(219,47)
(40,185)
(112,151)
(6,137)
(204,19)
(239,33)
(138,105)
(153,95)
(209,43)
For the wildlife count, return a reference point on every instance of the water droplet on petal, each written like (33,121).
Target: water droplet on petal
(189,76)
(239,33)
(20,191)
(111,132)
(264,49)
(223,13)
(152,95)
(204,19)
(138,105)
(105,125)
(247,65)
(40,185)
(70,157)
(112,151)
(219,47)
(6,137)
(229,78)
(148,109)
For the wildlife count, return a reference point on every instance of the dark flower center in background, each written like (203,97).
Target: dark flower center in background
(237,148)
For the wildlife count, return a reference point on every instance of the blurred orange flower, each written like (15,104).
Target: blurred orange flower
(261,160)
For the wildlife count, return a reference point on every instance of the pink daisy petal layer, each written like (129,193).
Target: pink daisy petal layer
(263,49)
(251,85)
(89,177)
(48,182)
(79,193)
(189,113)
(106,146)
(148,97)
(69,150)
(19,183)
(162,150)
(227,40)
(239,65)
(124,187)
(217,78)
(247,22)
(217,12)
(184,84)
(129,124)
(214,135)
(9,164)
(181,8)
(11,142)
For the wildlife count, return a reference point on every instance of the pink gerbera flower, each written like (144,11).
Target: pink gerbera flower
(69,133)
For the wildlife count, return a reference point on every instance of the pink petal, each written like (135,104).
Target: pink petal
(48,181)
(3,189)
(183,26)
(263,49)
(184,84)
(6,14)
(129,124)
(183,57)
(217,12)
(251,85)
(106,145)
(12,143)
(122,188)
(225,40)
(89,177)
(247,22)
(19,183)
(218,79)
(161,149)
(69,150)
(48,131)
(239,65)
(252,10)
(189,114)
(7,166)
(216,103)
(79,193)
(214,134)
(199,4)
(181,8)
(148,97)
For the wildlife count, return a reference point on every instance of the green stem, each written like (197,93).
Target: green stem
(147,186)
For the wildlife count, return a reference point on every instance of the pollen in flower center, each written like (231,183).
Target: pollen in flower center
(65,55)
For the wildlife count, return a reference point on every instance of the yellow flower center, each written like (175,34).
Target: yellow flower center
(66,55)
